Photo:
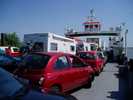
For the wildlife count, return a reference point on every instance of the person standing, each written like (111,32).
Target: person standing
(130,63)
(8,50)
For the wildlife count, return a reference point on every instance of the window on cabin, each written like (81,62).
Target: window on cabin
(54,47)
(72,48)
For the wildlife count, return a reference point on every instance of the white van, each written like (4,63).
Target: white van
(50,42)
(86,46)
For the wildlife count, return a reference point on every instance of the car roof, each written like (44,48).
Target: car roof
(52,53)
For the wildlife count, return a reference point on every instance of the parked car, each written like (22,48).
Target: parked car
(93,59)
(11,51)
(57,72)
(9,63)
(11,88)
(102,55)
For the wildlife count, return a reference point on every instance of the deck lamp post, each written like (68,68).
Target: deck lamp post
(126,42)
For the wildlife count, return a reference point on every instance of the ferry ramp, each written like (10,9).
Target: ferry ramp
(109,85)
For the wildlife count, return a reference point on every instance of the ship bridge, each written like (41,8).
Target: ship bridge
(93,33)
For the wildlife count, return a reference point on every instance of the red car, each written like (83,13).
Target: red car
(13,51)
(93,59)
(55,71)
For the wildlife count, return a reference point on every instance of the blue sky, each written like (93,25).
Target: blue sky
(30,16)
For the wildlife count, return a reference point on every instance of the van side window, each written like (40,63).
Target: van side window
(38,46)
(53,46)
(93,47)
(61,63)
(86,48)
(72,48)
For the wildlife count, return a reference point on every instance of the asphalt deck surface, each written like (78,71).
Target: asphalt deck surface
(107,86)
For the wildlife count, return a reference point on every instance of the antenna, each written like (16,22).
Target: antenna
(91,14)
(68,29)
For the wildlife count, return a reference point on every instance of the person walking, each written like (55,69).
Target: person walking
(130,63)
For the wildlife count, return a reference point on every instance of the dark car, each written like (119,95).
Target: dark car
(8,63)
(55,71)
(11,88)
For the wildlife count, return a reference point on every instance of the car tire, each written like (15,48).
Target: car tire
(93,77)
(102,67)
(97,73)
(89,84)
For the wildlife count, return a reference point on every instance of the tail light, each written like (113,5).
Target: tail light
(40,83)
(41,80)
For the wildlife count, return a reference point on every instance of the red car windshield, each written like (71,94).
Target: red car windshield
(85,55)
(36,61)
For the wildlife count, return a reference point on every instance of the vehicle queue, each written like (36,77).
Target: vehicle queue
(56,72)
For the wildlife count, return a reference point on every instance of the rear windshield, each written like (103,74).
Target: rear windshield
(87,56)
(16,50)
(35,61)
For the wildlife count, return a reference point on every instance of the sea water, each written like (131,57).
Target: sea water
(130,52)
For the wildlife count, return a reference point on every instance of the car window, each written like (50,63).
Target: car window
(62,63)
(15,49)
(100,55)
(76,62)
(87,56)
(36,61)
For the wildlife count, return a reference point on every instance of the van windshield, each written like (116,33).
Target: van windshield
(35,61)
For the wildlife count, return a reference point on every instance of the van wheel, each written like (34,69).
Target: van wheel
(55,89)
